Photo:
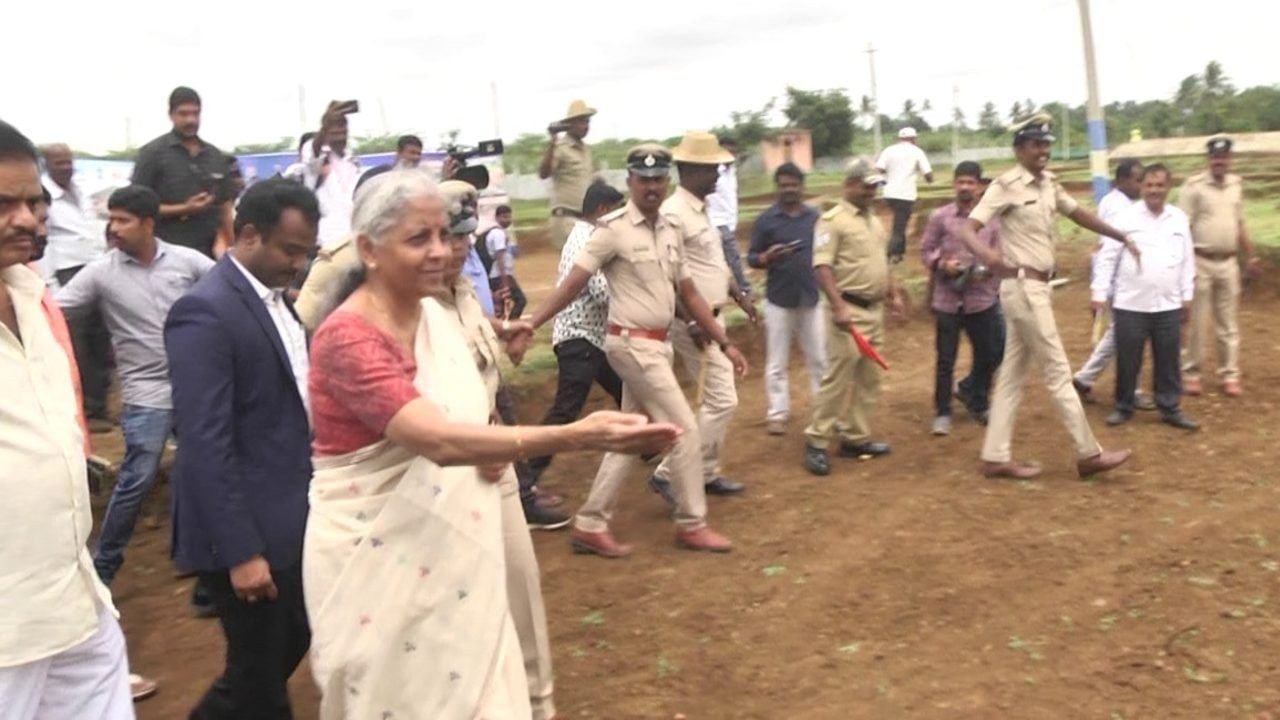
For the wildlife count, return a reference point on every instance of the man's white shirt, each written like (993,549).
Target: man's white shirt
(722,205)
(336,194)
(1167,275)
(75,233)
(902,164)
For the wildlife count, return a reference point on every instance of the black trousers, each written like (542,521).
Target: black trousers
(92,346)
(265,643)
(901,216)
(518,300)
(1133,330)
(986,336)
(581,365)
(506,407)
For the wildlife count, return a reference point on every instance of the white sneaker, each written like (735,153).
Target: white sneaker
(942,425)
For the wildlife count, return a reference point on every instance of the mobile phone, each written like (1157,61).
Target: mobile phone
(795,244)
(348,107)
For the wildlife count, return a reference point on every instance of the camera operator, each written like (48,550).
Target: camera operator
(331,171)
(567,162)
(964,295)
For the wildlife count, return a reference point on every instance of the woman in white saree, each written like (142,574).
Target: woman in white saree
(403,563)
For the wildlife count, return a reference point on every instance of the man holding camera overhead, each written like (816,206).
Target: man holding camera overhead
(332,170)
(966,296)
(567,162)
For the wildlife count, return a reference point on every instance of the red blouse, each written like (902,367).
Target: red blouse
(360,378)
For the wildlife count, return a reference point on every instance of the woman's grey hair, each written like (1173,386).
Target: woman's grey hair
(380,202)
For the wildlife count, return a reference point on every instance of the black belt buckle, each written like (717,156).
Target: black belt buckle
(857,300)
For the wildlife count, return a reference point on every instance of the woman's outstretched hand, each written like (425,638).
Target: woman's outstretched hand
(624,432)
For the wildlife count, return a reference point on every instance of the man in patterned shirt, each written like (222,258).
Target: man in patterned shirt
(578,335)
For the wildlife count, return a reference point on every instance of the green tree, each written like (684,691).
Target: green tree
(1015,112)
(911,118)
(989,120)
(748,127)
(827,114)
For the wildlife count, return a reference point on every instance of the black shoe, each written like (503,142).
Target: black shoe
(982,417)
(662,486)
(868,448)
(816,461)
(1180,421)
(1118,417)
(201,604)
(1084,391)
(544,518)
(962,393)
(724,486)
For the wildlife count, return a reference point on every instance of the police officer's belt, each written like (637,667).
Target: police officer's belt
(1219,255)
(859,301)
(659,334)
(565,212)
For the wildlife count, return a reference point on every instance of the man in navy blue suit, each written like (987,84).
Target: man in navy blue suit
(238,363)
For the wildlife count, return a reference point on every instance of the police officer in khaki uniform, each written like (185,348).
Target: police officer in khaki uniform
(698,158)
(852,269)
(640,254)
(1214,203)
(524,586)
(1028,199)
(567,162)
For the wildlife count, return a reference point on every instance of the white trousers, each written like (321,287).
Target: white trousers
(782,325)
(89,681)
(1100,359)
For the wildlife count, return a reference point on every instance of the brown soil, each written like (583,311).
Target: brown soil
(906,587)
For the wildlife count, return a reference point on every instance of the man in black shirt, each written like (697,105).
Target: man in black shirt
(188,174)
(782,244)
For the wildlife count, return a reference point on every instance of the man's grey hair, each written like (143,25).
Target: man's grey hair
(380,202)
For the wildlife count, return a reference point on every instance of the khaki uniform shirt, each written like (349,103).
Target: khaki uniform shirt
(1215,211)
(324,280)
(852,243)
(481,339)
(570,173)
(642,264)
(1028,210)
(703,248)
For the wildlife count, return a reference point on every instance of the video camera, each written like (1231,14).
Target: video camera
(476,175)
(969,274)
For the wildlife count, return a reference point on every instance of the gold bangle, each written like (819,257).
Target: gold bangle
(515,432)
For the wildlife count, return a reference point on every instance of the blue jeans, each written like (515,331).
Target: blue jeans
(145,433)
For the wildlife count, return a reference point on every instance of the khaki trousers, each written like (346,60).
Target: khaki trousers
(524,596)
(649,386)
(851,384)
(719,398)
(558,229)
(1217,294)
(1031,333)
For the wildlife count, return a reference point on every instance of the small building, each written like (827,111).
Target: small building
(789,145)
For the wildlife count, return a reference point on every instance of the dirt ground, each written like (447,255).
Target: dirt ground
(906,587)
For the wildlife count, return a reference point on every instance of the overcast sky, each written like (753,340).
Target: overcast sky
(93,74)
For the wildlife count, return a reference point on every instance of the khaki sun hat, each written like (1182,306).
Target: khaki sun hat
(577,109)
(701,148)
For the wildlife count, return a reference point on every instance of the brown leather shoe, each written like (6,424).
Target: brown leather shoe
(598,543)
(1231,388)
(1102,462)
(1012,470)
(703,538)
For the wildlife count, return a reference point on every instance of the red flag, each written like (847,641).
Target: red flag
(865,347)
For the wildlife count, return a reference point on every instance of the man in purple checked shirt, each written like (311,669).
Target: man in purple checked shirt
(965,296)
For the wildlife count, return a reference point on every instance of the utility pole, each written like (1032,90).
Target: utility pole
(875,99)
(382,115)
(1097,126)
(128,133)
(955,125)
